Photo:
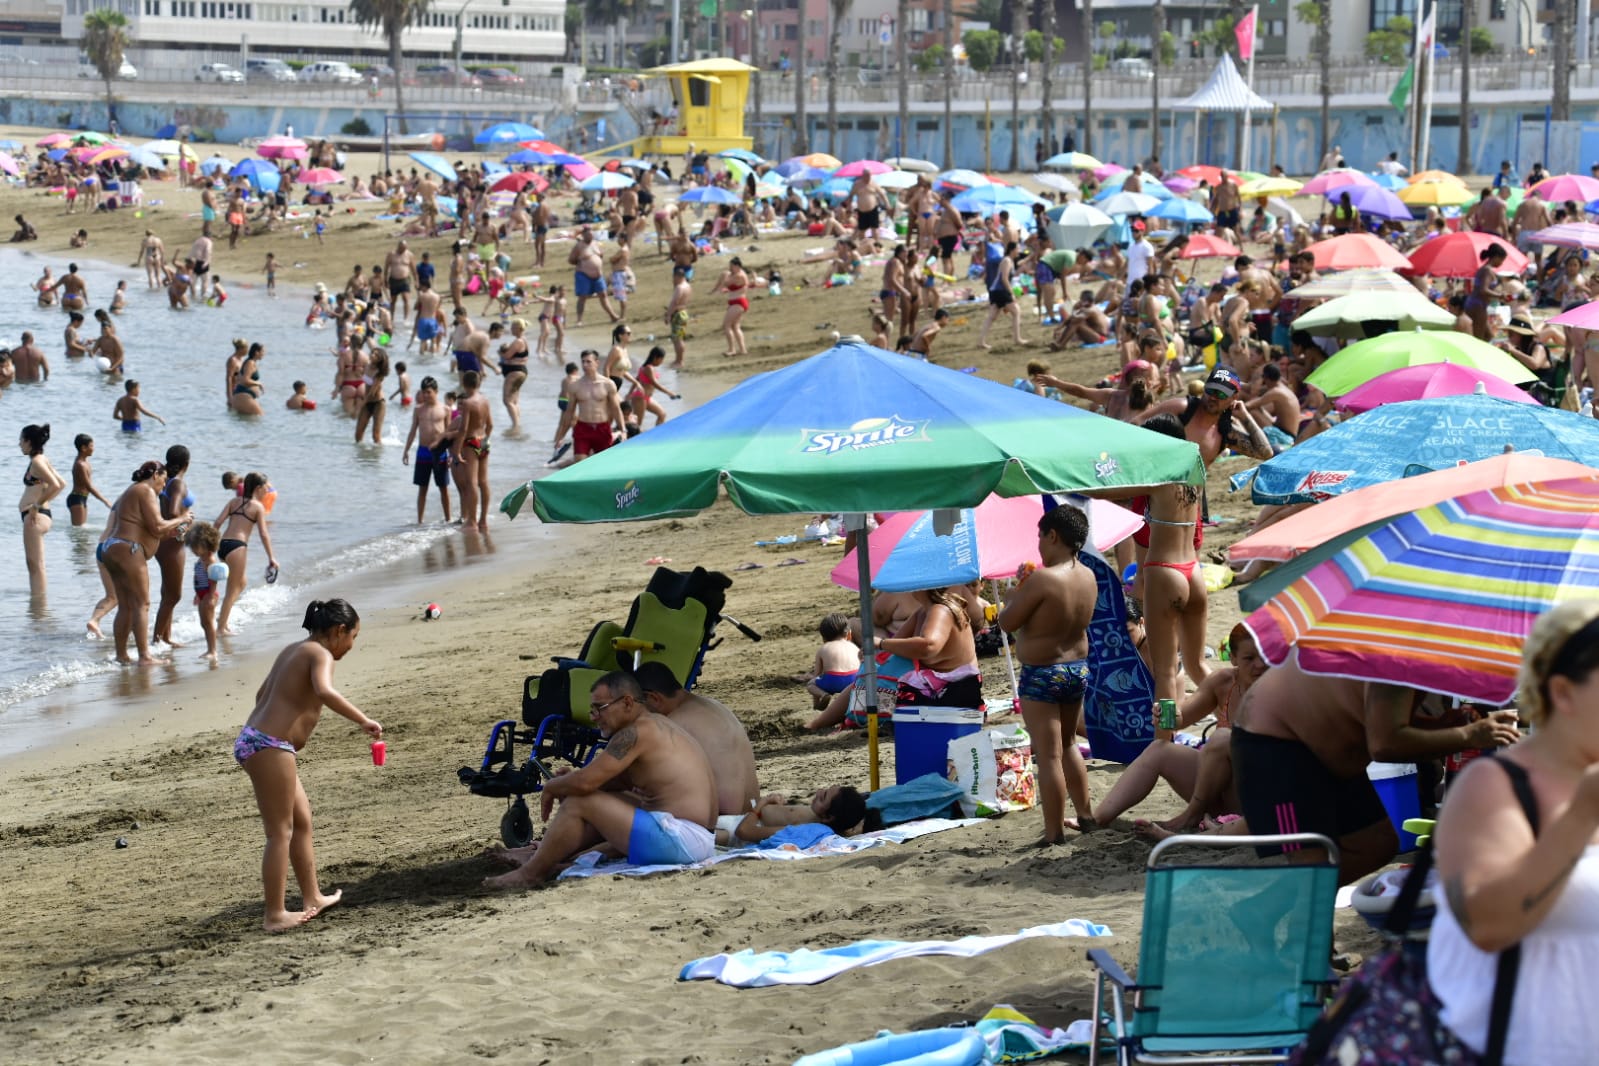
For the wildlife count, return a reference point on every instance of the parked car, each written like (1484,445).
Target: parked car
(444,74)
(11,59)
(268,70)
(499,77)
(1132,67)
(218,72)
(330,71)
(127,72)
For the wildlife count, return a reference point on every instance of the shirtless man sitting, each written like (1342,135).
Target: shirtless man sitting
(1279,406)
(717,730)
(594,409)
(1300,746)
(648,795)
(1050,611)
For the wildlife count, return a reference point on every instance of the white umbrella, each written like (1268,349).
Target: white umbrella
(1280,208)
(915,166)
(896,179)
(1078,225)
(1128,203)
(1347,281)
(1058,182)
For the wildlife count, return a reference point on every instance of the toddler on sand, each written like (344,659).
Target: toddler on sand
(838,661)
(286,712)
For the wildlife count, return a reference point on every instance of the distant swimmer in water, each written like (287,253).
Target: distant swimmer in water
(129,408)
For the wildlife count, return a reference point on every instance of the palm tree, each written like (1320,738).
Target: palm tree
(391,17)
(840,12)
(1157,32)
(1464,153)
(1018,59)
(902,31)
(949,83)
(1088,76)
(1048,86)
(1561,29)
(801,121)
(105,39)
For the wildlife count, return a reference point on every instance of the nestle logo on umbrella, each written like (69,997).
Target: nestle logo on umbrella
(1317,482)
(628,496)
(867,433)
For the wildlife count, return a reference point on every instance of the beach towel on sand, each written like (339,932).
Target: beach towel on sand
(750,969)
(799,846)
(1121,689)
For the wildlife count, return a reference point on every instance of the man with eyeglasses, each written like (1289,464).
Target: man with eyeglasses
(648,795)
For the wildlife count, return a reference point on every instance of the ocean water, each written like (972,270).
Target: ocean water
(344,510)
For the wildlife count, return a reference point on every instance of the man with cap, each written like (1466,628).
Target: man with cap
(1217,419)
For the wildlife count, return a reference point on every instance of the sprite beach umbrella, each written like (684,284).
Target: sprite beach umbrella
(858,429)
(1417,436)
(1441,599)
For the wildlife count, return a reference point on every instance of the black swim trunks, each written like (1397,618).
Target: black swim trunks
(399,285)
(1284,788)
(946,244)
(868,221)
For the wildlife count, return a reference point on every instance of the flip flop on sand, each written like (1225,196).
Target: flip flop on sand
(656,560)
(749,566)
(791,561)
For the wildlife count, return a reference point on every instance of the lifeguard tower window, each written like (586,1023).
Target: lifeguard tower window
(699,93)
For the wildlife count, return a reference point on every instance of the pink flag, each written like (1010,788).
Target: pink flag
(1245,31)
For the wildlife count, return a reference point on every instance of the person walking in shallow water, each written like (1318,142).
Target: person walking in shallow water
(236,521)
(287,709)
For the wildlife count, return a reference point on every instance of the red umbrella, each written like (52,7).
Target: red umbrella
(1205,246)
(547,147)
(1208,174)
(1356,251)
(1458,255)
(518,181)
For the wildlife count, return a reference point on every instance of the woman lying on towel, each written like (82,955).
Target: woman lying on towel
(839,807)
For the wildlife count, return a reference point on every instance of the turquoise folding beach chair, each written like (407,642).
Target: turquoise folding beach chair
(1234,963)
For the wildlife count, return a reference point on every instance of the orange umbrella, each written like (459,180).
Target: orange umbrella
(1355,251)
(1320,523)
(1436,175)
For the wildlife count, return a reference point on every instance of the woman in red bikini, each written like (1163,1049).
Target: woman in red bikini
(734,281)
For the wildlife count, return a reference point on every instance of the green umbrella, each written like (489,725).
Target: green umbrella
(858,429)
(1364,360)
(89,137)
(1347,316)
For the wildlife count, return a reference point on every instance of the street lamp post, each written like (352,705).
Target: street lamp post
(755,79)
(458,13)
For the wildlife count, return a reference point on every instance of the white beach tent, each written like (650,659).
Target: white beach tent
(1223,91)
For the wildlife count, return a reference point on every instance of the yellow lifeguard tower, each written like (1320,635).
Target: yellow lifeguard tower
(709,95)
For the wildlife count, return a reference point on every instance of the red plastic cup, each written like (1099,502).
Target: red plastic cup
(379,752)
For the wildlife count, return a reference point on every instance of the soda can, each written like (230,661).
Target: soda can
(1166,714)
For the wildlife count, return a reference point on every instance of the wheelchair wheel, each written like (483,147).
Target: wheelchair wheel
(516,825)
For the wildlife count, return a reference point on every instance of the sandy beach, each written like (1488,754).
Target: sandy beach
(152,953)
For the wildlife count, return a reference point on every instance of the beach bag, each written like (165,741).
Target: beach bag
(1387,1015)
(994,769)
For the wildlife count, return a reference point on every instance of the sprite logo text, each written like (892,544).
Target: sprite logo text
(628,496)
(867,433)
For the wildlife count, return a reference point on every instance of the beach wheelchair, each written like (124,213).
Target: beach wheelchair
(671,622)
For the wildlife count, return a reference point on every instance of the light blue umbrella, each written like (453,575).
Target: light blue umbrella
(491,167)
(1417,437)
(1181,211)
(214,164)
(796,173)
(10,146)
(252,169)
(711,194)
(508,133)
(146,158)
(1115,183)
(605,181)
(534,157)
(833,188)
(743,155)
(634,164)
(435,163)
(986,199)
(1391,182)
(1127,203)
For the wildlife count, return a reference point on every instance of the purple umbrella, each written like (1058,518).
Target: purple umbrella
(1373,200)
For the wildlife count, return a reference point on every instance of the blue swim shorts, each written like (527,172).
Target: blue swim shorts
(833,684)
(1057,683)
(661,839)
(427,328)
(583,285)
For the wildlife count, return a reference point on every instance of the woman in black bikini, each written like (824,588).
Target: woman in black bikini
(132,535)
(513,367)
(246,396)
(373,401)
(236,521)
(175,500)
(40,484)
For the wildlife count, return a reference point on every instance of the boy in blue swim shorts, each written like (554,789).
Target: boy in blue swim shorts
(837,664)
(1049,612)
(665,814)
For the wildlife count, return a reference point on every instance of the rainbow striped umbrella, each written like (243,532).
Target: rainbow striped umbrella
(1443,598)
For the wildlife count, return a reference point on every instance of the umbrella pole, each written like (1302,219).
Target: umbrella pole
(868,677)
(1010,664)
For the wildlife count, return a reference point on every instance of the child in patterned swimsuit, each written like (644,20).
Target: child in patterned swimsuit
(286,711)
(203,540)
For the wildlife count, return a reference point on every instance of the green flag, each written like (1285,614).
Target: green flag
(1400,97)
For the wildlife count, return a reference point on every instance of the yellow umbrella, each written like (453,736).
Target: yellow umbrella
(1435,175)
(106,155)
(1436,194)
(1271,187)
